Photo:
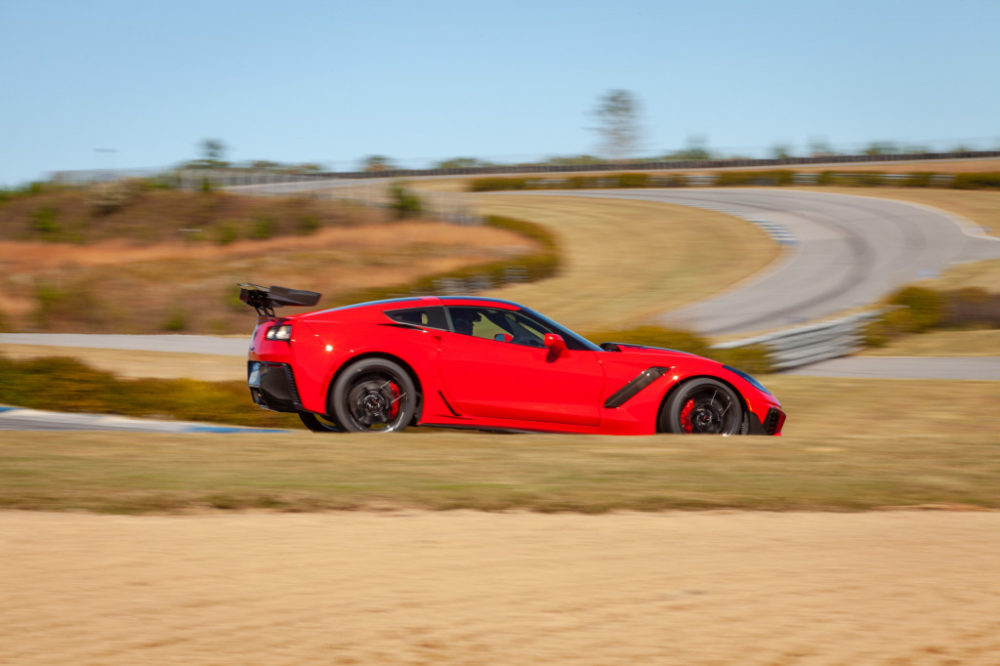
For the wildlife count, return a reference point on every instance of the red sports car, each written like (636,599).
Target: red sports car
(469,362)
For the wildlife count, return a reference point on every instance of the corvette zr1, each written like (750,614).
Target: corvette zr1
(487,364)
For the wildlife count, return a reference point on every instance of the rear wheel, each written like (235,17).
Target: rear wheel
(374,395)
(703,406)
(318,423)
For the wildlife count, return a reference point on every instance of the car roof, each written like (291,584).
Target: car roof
(416,301)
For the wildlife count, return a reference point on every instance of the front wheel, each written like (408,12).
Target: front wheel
(703,406)
(374,395)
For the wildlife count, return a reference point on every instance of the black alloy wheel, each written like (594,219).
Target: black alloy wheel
(374,395)
(703,406)
(318,423)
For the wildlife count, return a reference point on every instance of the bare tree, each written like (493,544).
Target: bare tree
(213,150)
(618,114)
(781,151)
(377,163)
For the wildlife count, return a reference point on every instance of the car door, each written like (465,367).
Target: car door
(497,366)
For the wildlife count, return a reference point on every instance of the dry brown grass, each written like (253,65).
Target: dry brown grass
(127,288)
(625,261)
(932,166)
(981,274)
(164,216)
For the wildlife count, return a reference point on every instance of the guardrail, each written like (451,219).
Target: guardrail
(802,345)
(228,177)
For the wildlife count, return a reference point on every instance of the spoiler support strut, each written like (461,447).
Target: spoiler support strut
(265,299)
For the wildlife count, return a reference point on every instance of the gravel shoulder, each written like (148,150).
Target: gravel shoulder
(472,588)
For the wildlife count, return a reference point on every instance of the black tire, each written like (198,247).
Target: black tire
(319,423)
(374,395)
(703,406)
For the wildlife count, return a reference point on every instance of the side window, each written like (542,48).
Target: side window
(477,322)
(529,331)
(430,317)
(498,324)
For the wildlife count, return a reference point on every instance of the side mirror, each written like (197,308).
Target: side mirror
(555,344)
(503,337)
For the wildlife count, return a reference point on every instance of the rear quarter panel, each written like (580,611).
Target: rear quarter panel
(329,346)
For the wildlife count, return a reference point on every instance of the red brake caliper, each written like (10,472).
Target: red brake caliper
(686,416)
(394,407)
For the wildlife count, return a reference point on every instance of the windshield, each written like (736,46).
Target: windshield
(573,340)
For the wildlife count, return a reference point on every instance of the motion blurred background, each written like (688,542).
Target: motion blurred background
(841,161)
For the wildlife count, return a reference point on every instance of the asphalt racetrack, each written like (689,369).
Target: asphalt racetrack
(843,252)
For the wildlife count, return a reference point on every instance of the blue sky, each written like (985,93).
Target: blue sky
(332,82)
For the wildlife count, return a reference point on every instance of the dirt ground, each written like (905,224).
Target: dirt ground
(518,588)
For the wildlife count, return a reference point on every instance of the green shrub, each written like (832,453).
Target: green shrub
(55,383)
(670,180)
(496,184)
(226,233)
(177,321)
(867,179)
(919,179)
(852,178)
(582,183)
(163,182)
(264,227)
(924,307)
(44,222)
(66,384)
(976,181)
(404,202)
(755,178)
(633,180)
(308,225)
(910,310)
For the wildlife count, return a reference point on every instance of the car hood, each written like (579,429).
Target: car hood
(660,354)
(638,356)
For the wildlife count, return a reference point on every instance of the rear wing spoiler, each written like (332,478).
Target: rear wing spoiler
(265,299)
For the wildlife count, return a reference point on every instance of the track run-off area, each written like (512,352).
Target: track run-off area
(838,253)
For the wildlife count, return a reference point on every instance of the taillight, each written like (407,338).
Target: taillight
(279,332)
